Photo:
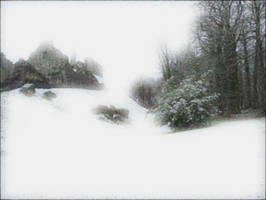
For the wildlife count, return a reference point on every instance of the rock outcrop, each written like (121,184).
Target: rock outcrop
(24,73)
(54,65)
(50,62)
(48,67)
(6,68)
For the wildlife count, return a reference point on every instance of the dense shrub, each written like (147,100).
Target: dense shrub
(112,114)
(187,105)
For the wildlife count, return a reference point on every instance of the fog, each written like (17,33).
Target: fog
(124,37)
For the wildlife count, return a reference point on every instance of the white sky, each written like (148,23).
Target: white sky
(124,37)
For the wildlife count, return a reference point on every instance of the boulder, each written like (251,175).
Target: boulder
(28,89)
(111,113)
(49,95)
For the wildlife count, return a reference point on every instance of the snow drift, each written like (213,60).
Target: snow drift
(59,148)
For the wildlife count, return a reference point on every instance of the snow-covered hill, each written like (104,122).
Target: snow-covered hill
(59,148)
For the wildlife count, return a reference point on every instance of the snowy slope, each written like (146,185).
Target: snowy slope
(60,149)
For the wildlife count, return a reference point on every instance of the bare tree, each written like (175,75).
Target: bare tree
(259,71)
(219,31)
(165,62)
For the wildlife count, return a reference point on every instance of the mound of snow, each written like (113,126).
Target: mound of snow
(59,149)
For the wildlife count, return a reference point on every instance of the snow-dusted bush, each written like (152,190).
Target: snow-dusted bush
(187,105)
(112,114)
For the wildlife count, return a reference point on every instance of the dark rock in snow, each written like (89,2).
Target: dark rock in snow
(28,89)
(113,114)
(49,95)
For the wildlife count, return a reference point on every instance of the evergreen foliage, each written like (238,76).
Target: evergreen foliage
(187,105)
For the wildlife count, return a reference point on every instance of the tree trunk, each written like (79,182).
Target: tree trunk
(259,61)
(247,72)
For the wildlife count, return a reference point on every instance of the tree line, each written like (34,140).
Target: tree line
(227,56)
(230,42)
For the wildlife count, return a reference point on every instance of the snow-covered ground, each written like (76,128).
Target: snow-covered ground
(59,148)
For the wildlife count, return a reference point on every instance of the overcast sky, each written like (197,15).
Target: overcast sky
(124,37)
